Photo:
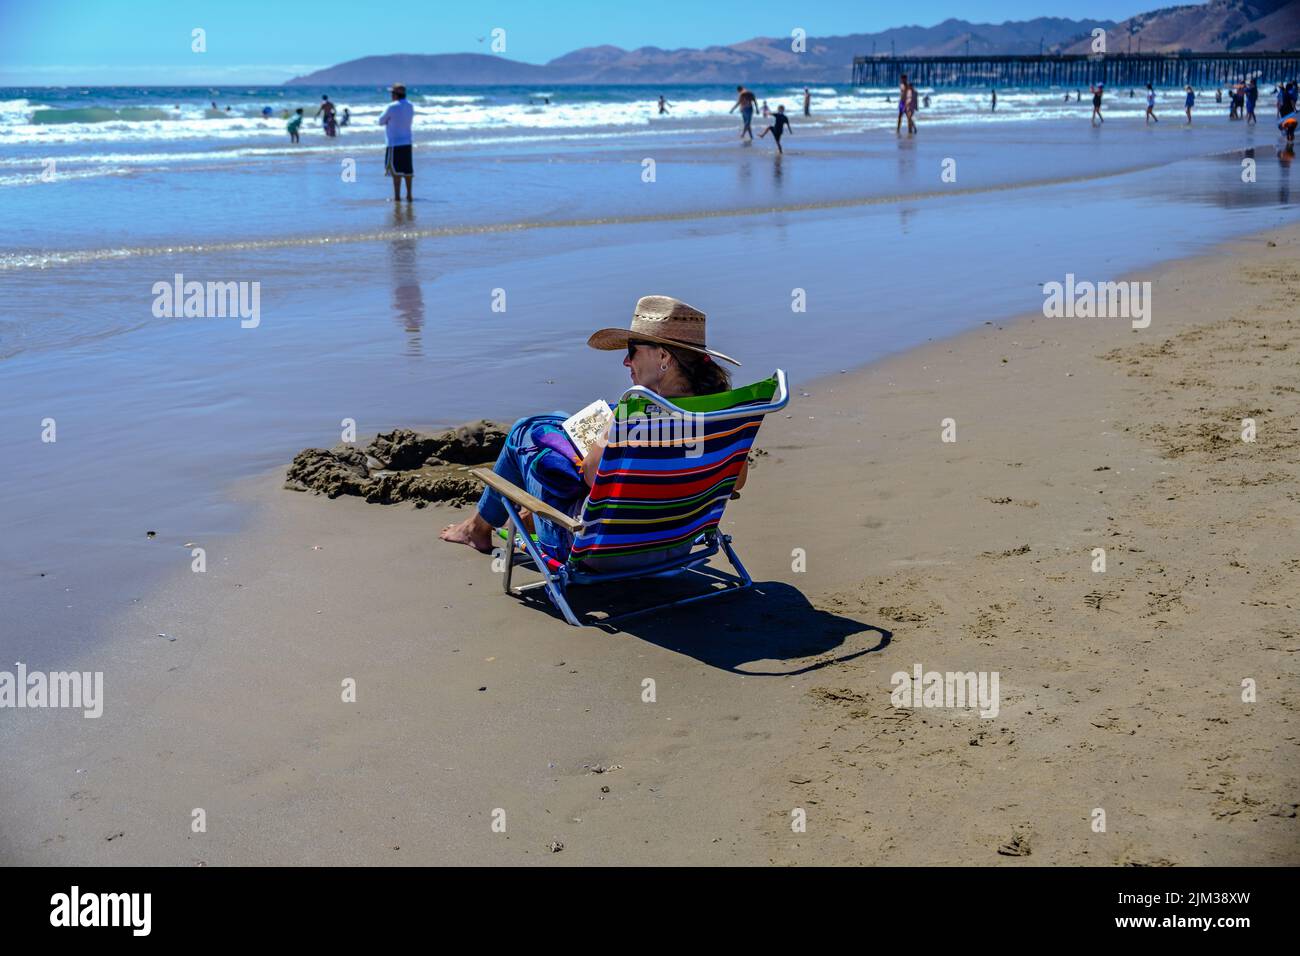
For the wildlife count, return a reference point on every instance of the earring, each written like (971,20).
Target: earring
(663,368)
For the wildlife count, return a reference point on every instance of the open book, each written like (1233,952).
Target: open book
(587,426)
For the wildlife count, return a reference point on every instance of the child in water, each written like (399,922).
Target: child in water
(780,122)
(294,125)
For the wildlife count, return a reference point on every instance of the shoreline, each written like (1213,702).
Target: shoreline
(719,757)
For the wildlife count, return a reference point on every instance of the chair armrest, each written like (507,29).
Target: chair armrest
(520,497)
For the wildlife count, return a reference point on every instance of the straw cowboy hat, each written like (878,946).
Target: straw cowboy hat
(662,319)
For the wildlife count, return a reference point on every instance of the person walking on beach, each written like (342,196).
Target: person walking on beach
(807,102)
(663,105)
(397,119)
(780,122)
(294,125)
(1151,105)
(745,100)
(1252,96)
(1096,106)
(903,87)
(1188,103)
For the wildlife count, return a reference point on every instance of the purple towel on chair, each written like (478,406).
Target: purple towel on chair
(557,464)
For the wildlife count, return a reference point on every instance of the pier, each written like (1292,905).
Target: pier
(1079,70)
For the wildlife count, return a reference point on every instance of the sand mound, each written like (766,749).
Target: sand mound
(402,465)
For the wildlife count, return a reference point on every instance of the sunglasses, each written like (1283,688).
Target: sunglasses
(632,347)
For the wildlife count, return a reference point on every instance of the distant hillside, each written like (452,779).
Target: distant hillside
(1215,27)
(417,68)
(825,60)
(1212,27)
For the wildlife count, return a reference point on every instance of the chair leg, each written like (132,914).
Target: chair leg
(509,554)
(554,583)
(735,561)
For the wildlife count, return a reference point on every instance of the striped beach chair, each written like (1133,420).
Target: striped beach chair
(663,482)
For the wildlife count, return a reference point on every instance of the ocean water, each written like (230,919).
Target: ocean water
(114,131)
(383,312)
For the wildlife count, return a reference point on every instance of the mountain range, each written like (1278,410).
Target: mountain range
(1217,26)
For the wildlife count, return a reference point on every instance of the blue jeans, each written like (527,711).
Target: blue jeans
(518,464)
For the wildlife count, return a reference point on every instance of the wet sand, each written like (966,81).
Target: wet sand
(1119,690)
(157,417)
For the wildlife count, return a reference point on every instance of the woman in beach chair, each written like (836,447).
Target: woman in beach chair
(666,353)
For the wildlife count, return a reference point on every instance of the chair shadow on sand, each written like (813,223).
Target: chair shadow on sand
(769,622)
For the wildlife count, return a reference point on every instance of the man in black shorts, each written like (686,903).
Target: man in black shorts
(396,119)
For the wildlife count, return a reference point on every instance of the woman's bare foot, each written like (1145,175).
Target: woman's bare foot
(473,531)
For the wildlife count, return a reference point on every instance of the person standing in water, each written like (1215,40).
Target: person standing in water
(807,102)
(1252,95)
(663,105)
(327,108)
(1151,105)
(780,122)
(993,107)
(1096,105)
(903,86)
(1286,99)
(347,118)
(745,100)
(1188,104)
(294,125)
(397,119)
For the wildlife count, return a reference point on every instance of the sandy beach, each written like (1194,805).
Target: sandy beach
(1120,690)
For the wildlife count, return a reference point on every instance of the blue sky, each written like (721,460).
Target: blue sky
(99,42)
